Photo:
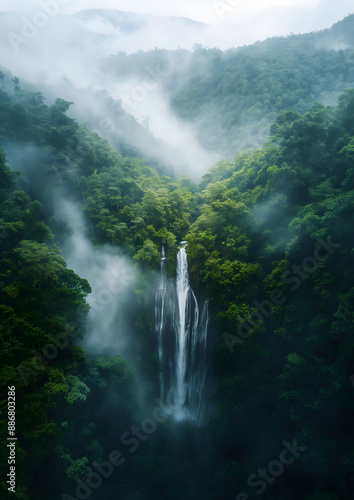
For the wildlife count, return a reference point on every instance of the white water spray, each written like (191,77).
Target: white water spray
(182,344)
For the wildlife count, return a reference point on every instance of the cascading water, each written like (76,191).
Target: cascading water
(182,343)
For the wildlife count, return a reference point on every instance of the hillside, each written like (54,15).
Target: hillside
(128,22)
(233,96)
(247,225)
(131,294)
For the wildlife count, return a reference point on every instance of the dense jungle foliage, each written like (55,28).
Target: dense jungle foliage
(269,243)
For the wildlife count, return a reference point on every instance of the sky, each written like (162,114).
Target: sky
(275,16)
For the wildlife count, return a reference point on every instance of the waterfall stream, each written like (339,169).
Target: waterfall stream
(182,343)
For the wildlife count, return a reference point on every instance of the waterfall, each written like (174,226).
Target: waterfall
(182,343)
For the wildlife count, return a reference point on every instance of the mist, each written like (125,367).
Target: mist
(158,382)
(113,279)
(63,59)
(67,53)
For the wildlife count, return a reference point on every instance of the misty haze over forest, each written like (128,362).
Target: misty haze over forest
(176,258)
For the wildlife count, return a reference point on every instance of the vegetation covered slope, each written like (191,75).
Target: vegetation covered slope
(233,96)
(273,248)
(269,244)
(126,201)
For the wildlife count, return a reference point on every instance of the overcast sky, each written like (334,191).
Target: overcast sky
(279,16)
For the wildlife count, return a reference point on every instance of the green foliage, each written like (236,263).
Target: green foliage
(78,390)
(251,222)
(39,297)
(233,96)
(262,216)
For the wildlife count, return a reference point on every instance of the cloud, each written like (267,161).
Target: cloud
(68,50)
(280,15)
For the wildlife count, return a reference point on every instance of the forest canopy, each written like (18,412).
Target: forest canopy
(270,246)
